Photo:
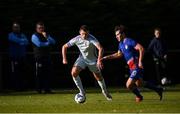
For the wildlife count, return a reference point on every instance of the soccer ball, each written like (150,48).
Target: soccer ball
(79,98)
(164,81)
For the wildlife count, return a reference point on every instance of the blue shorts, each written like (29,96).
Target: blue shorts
(136,73)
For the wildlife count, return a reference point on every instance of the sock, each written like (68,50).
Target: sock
(136,92)
(79,85)
(102,85)
(151,86)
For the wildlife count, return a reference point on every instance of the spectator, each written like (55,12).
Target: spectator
(17,52)
(158,49)
(42,43)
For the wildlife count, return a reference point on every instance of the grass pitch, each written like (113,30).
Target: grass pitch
(63,101)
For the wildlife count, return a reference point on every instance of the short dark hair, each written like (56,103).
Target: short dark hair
(120,28)
(84,28)
(157,29)
(16,23)
(40,23)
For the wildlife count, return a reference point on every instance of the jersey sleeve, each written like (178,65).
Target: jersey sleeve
(119,47)
(94,40)
(72,42)
(132,42)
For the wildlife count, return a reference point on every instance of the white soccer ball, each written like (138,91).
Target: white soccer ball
(164,81)
(79,98)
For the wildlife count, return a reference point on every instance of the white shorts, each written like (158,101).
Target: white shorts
(82,64)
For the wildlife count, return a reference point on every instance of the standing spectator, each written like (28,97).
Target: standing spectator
(42,43)
(158,49)
(17,52)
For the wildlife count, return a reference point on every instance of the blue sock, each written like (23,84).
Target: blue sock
(136,92)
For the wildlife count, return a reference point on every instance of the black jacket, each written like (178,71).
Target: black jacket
(158,48)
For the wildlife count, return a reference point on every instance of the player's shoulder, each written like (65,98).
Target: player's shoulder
(128,39)
(78,37)
(91,37)
(10,33)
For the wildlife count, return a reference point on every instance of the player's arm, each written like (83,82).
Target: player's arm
(140,48)
(65,47)
(100,51)
(113,56)
(100,55)
(64,51)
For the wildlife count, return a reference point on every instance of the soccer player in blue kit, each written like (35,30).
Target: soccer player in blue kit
(129,49)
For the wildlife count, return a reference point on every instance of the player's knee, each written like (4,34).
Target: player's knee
(139,83)
(74,73)
(98,76)
(129,86)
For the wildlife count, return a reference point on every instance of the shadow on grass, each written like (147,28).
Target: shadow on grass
(88,90)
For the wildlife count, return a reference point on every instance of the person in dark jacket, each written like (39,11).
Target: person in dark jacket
(158,49)
(17,52)
(42,43)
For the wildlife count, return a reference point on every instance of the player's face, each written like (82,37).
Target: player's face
(118,35)
(16,28)
(40,28)
(157,33)
(83,34)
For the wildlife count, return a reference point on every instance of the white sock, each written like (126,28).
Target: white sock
(102,85)
(79,85)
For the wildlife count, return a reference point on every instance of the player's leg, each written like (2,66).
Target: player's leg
(77,68)
(157,89)
(131,85)
(102,85)
(139,82)
(98,76)
(148,85)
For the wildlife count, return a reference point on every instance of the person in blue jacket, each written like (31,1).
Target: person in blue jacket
(42,43)
(17,52)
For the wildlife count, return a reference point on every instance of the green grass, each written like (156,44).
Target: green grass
(63,101)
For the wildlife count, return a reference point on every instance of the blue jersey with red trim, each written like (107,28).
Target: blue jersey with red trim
(127,48)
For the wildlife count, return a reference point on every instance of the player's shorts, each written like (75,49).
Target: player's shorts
(82,64)
(136,73)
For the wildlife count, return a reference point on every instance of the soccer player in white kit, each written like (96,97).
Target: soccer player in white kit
(88,57)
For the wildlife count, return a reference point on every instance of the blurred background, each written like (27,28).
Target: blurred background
(63,18)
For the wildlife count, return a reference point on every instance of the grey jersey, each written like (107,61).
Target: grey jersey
(87,48)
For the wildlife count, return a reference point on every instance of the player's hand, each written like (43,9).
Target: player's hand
(44,34)
(103,58)
(140,65)
(65,61)
(100,64)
